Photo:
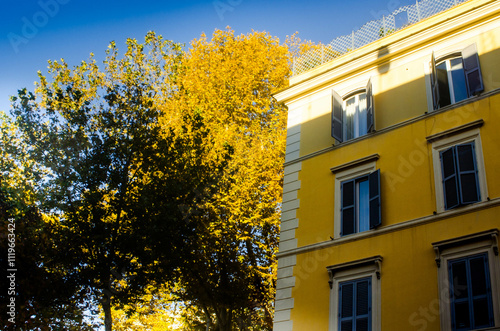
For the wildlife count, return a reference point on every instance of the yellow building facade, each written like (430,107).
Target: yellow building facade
(391,200)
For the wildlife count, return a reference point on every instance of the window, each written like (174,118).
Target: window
(470,293)
(456,77)
(459,173)
(355,295)
(355,305)
(469,276)
(352,117)
(357,206)
(360,203)
(354,113)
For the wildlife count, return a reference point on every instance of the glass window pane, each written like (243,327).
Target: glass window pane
(444,89)
(448,163)
(478,276)
(363,205)
(462,319)
(465,157)
(451,192)
(349,114)
(346,326)
(481,313)
(458,77)
(362,324)
(469,188)
(459,279)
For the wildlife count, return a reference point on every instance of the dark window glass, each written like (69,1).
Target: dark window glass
(458,78)
(360,206)
(444,90)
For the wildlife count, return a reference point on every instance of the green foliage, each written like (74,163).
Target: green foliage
(43,290)
(150,187)
(115,179)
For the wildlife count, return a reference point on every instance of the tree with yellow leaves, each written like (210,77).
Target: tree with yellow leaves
(230,271)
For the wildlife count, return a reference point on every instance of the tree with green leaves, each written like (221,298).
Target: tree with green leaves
(121,172)
(44,296)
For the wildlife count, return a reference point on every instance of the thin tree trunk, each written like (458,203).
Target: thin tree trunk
(106,306)
(209,319)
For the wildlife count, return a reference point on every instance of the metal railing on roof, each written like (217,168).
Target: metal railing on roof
(371,31)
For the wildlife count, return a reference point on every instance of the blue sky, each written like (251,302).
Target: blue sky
(34,31)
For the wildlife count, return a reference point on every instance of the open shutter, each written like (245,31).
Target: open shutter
(348,191)
(337,116)
(375,210)
(472,70)
(450,178)
(467,173)
(369,107)
(434,84)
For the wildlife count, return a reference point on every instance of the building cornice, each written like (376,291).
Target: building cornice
(424,33)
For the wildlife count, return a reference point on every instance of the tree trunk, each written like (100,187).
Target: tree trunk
(106,306)
(226,319)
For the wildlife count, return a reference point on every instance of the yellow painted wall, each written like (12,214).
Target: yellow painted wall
(409,284)
(405,163)
(399,87)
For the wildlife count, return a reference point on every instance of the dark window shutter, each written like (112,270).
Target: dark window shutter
(470,292)
(369,107)
(472,70)
(348,207)
(346,306)
(375,210)
(450,178)
(337,111)
(434,83)
(363,305)
(467,173)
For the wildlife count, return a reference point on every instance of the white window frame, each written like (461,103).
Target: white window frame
(446,142)
(447,62)
(457,251)
(366,268)
(439,56)
(351,173)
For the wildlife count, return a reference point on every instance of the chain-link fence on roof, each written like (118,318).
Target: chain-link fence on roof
(372,31)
